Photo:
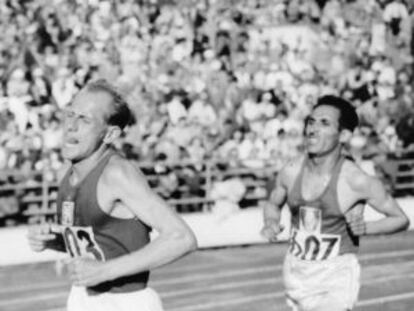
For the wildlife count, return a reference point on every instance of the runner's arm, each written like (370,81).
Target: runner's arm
(379,199)
(175,238)
(41,237)
(272,209)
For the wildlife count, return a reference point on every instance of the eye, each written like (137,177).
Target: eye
(85,120)
(325,122)
(68,114)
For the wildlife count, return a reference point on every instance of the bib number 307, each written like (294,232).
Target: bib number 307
(307,246)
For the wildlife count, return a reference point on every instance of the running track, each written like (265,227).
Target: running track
(229,279)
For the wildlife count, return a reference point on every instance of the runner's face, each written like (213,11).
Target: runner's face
(322,133)
(85,125)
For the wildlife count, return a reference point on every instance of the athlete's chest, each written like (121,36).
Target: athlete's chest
(333,196)
(314,186)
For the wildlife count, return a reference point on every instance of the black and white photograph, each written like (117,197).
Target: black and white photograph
(207,155)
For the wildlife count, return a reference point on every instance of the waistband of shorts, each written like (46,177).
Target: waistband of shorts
(83,289)
(116,288)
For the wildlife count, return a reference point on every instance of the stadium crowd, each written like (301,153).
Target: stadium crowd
(225,80)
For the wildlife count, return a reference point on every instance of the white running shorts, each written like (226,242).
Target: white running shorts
(143,300)
(328,285)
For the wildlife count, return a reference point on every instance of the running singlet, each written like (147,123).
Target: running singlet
(89,230)
(319,228)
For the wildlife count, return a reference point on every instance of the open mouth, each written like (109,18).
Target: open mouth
(312,140)
(70,141)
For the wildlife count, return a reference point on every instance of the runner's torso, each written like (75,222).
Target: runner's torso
(115,236)
(319,228)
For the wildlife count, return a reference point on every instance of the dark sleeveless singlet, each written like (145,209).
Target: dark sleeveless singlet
(333,219)
(115,236)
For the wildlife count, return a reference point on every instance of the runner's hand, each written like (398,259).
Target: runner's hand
(356,223)
(86,272)
(271,231)
(39,237)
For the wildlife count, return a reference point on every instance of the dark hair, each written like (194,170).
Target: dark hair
(348,118)
(121,114)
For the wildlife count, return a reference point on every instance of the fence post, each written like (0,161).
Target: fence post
(209,181)
(45,196)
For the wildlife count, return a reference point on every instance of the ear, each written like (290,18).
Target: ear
(112,133)
(345,136)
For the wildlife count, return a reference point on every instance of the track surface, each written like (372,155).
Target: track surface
(229,279)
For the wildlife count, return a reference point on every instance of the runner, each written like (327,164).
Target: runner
(324,190)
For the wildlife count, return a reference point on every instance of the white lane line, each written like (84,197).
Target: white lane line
(225,286)
(385,299)
(267,281)
(204,306)
(36,298)
(363,303)
(47,296)
(268,296)
(172,270)
(185,279)
(390,254)
(213,275)
(33,287)
(230,302)
(218,273)
(280,294)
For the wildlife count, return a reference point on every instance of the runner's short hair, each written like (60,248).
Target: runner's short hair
(348,118)
(121,115)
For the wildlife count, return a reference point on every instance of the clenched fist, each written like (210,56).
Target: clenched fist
(40,236)
(271,230)
(356,222)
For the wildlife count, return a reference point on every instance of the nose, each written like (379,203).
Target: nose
(71,124)
(311,129)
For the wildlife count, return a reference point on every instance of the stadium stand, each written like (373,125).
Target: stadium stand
(217,87)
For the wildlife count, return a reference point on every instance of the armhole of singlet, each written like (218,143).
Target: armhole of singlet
(335,178)
(297,184)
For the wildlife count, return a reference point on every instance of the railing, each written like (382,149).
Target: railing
(403,179)
(36,200)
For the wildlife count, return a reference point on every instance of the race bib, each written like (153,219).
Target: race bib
(80,242)
(307,242)
(307,246)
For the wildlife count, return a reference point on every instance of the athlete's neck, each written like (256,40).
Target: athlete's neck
(324,164)
(82,168)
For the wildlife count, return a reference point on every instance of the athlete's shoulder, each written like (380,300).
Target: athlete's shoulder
(355,176)
(120,169)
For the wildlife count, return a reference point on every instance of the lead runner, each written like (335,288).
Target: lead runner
(106,199)
(323,190)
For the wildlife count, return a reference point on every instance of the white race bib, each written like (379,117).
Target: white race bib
(80,242)
(316,246)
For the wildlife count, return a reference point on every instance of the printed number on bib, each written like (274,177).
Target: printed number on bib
(314,246)
(80,242)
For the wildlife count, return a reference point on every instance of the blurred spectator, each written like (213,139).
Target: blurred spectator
(222,80)
(226,193)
